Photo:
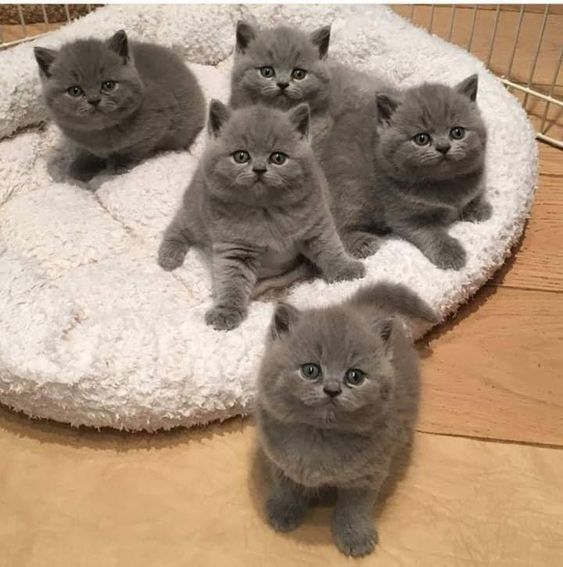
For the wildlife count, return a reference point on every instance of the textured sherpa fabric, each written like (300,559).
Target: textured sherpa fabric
(92,331)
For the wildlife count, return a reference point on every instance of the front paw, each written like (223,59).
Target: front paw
(171,255)
(224,318)
(363,245)
(354,538)
(449,255)
(285,515)
(478,212)
(352,270)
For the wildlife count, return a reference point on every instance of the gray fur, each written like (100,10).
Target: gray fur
(155,104)
(324,433)
(381,180)
(256,225)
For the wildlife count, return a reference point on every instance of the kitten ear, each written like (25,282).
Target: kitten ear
(285,316)
(386,105)
(119,43)
(320,39)
(386,329)
(468,87)
(45,58)
(300,117)
(219,113)
(245,34)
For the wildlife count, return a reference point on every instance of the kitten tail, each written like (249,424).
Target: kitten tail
(395,299)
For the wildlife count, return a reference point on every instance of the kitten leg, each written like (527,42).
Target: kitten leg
(327,252)
(360,243)
(120,164)
(436,244)
(85,166)
(287,505)
(234,277)
(175,243)
(353,526)
(477,210)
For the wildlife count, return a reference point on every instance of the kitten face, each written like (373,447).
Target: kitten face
(258,155)
(433,132)
(281,67)
(328,368)
(90,84)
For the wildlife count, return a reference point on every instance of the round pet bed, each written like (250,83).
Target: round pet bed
(92,331)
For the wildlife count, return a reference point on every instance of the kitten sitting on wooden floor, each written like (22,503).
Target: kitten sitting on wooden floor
(257,204)
(337,402)
(120,101)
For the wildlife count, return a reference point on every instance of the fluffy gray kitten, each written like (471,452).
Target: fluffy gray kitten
(410,162)
(257,204)
(284,66)
(337,402)
(120,101)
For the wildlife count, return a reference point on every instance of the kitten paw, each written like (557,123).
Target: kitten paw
(171,255)
(349,271)
(477,213)
(364,245)
(449,255)
(354,539)
(224,318)
(285,515)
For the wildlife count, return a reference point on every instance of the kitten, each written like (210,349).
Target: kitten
(284,66)
(120,101)
(256,205)
(430,166)
(381,178)
(336,405)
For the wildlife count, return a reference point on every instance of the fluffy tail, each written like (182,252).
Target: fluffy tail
(395,299)
(302,271)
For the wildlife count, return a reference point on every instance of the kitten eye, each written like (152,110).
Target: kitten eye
(422,139)
(74,91)
(355,377)
(241,156)
(278,158)
(457,133)
(299,74)
(109,85)
(267,72)
(310,371)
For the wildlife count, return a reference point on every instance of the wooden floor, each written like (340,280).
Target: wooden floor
(485,486)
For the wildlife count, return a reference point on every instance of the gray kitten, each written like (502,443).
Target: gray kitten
(281,67)
(120,101)
(257,203)
(337,402)
(412,163)
(284,66)
(430,166)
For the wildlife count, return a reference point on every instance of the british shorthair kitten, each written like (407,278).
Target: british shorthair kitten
(257,205)
(120,101)
(336,406)
(430,166)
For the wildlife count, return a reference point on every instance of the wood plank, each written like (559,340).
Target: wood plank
(537,262)
(496,370)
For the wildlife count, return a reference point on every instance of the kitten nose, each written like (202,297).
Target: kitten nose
(259,169)
(93,101)
(443,148)
(332,392)
(283,85)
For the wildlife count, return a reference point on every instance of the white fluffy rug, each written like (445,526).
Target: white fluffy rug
(92,331)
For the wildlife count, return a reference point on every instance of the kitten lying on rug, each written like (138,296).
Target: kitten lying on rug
(120,101)
(336,405)
(284,66)
(430,166)
(257,201)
